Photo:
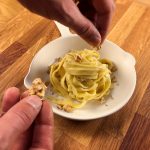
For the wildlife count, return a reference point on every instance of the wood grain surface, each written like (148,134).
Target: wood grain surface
(22,34)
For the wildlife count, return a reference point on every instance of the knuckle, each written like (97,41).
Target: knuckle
(23,117)
(85,30)
(64,12)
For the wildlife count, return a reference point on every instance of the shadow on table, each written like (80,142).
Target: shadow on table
(113,125)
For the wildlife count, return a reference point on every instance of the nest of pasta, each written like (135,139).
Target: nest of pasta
(80,76)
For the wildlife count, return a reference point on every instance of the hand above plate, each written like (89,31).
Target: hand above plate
(90,21)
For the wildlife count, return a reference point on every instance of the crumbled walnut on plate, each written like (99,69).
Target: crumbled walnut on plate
(66,108)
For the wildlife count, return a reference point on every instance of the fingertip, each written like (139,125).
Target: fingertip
(46,114)
(10,98)
(24,94)
(93,40)
(47,105)
(13,91)
(89,33)
(96,40)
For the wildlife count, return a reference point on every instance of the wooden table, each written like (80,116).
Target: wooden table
(22,34)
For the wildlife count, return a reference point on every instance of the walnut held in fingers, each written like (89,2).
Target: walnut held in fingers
(38,88)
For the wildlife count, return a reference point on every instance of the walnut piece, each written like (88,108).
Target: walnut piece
(60,107)
(38,88)
(114,68)
(66,108)
(78,58)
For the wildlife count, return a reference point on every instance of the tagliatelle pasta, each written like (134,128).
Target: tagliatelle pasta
(80,76)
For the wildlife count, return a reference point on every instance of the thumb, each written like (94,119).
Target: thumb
(18,119)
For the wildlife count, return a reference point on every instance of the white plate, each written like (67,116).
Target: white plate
(126,74)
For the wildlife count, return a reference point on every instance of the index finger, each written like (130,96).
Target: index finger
(104,9)
(10,98)
(102,24)
(43,129)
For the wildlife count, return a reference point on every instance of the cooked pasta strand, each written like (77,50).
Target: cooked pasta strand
(81,75)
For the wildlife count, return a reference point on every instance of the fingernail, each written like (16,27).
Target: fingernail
(35,102)
(94,43)
(97,39)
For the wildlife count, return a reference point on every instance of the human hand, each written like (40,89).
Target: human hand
(90,21)
(26,124)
